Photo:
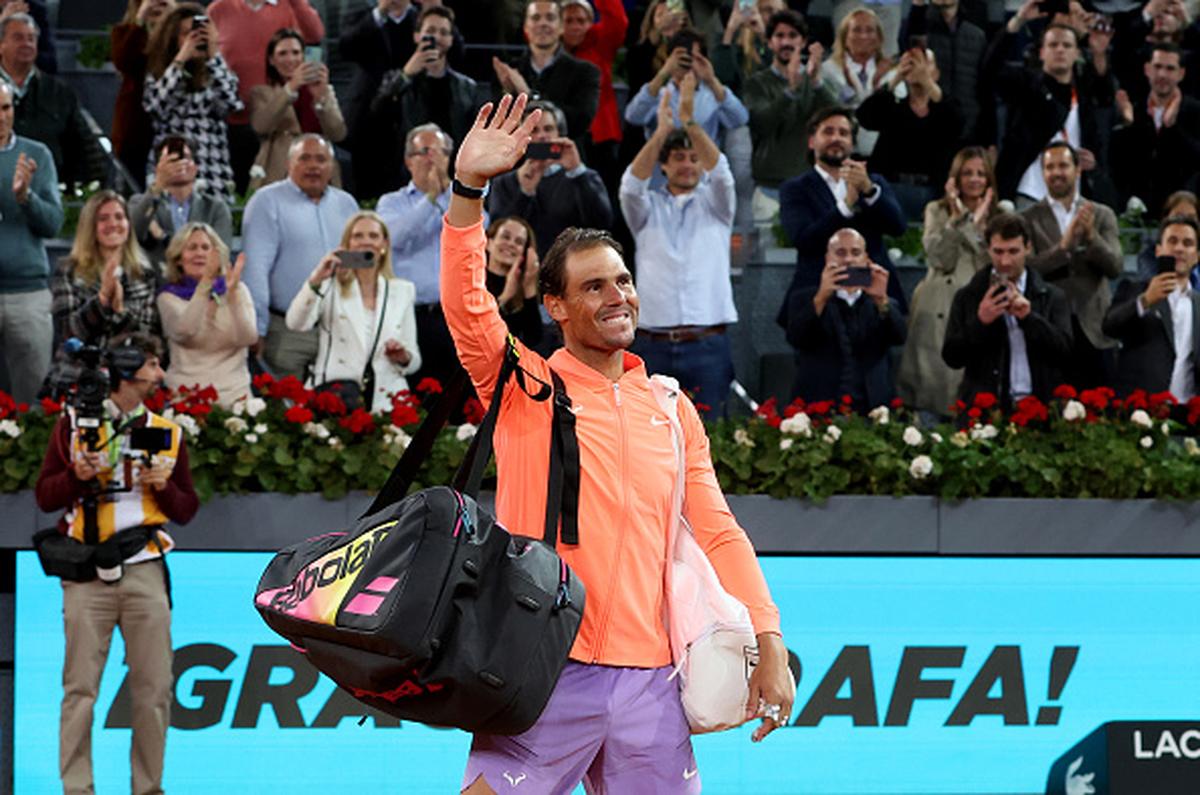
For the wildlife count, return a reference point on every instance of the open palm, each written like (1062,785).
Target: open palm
(494,145)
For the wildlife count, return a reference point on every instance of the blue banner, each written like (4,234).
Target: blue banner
(917,675)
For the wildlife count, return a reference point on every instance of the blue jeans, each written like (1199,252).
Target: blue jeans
(703,367)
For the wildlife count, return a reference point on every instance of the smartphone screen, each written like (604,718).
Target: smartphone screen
(314,53)
(543,150)
(1165,264)
(856,277)
(150,440)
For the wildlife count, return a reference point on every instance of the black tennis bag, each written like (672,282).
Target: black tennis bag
(428,609)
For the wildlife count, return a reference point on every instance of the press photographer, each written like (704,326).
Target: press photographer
(120,472)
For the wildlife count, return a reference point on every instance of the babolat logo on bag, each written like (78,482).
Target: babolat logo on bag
(319,589)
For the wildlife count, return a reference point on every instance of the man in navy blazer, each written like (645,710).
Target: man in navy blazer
(838,193)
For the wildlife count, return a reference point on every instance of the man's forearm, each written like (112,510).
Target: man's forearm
(642,166)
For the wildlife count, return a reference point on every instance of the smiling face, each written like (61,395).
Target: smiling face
(682,170)
(577,21)
(1060,172)
(973,179)
(287,57)
(112,226)
(18,48)
(507,246)
(862,37)
(543,25)
(598,310)
(833,141)
(198,255)
(442,31)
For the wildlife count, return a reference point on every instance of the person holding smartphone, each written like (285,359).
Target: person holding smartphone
(1008,328)
(297,98)
(1156,319)
(844,329)
(364,313)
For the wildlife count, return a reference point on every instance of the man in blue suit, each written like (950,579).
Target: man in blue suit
(838,193)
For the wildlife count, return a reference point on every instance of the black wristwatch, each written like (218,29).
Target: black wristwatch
(466,191)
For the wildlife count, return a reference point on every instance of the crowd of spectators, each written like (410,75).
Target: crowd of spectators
(1016,137)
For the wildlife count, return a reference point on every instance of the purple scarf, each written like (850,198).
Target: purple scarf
(186,287)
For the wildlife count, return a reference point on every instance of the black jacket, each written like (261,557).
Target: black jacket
(1038,106)
(823,341)
(959,55)
(912,149)
(1152,164)
(50,113)
(571,84)
(559,201)
(983,350)
(1147,354)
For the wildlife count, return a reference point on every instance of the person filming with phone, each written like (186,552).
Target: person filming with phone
(367,340)
(121,473)
(1008,328)
(297,98)
(844,328)
(552,189)
(1156,319)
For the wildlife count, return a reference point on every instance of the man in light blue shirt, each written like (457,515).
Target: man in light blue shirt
(413,216)
(288,227)
(682,230)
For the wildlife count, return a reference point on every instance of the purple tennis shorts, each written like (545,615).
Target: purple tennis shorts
(621,731)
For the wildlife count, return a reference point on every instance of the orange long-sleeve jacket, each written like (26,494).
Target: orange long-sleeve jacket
(628,471)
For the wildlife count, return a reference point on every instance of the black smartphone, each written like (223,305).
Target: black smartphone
(356,260)
(199,21)
(543,150)
(429,42)
(1052,7)
(856,277)
(1166,264)
(175,147)
(150,440)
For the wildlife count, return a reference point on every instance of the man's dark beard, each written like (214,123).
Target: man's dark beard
(832,160)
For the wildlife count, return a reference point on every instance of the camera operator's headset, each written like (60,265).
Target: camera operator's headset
(125,361)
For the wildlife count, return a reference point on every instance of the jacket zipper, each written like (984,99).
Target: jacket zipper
(602,634)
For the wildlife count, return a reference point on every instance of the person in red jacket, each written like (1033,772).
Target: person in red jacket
(132,496)
(597,41)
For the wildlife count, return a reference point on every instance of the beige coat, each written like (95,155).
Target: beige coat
(955,252)
(209,341)
(274,119)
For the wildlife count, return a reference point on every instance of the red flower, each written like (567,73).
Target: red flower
(262,382)
(7,405)
(958,407)
(794,408)
(298,415)
(358,422)
(158,400)
(1094,399)
(207,395)
(703,408)
(22,408)
(847,400)
(404,415)
(290,388)
(1028,410)
(429,386)
(1193,409)
(1137,400)
(984,400)
(974,412)
(329,403)
(1065,392)
(897,403)
(1161,399)
(51,406)
(474,412)
(820,408)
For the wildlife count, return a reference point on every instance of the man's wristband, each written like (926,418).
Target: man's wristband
(467,192)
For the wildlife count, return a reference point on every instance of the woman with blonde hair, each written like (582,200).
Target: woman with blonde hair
(190,90)
(367,318)
(857,66)
(955,251)
(207,314)
(104,288)
(742,50)
(297,98)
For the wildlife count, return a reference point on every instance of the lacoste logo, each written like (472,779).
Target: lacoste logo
(690,774)
(512,782)
(656,421)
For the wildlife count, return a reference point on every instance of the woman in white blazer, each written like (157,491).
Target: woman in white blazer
(368,329)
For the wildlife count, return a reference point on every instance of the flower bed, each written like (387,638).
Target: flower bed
(1081,445)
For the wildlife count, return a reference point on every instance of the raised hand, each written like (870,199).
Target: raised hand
(816,53)
(666,117)
(234,277)
(496,140)
(687,98)
(23,177)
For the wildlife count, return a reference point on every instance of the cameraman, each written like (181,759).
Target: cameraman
(133,495)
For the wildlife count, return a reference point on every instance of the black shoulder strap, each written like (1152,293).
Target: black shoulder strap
(562,491)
